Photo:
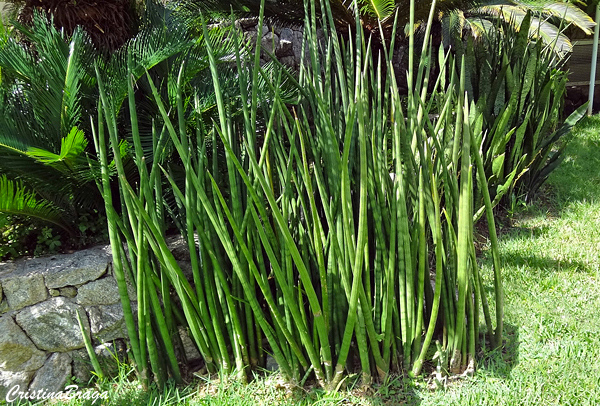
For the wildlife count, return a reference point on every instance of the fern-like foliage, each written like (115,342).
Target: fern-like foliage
(46,91)
(46,72)
(15,199)
(71,149)
(381,9)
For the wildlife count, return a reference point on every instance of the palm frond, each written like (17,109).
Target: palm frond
(42,81)
(71,148)
(513,14)
(480,26)
(381,9)
(569,13)
(158,40)
(550,35)
(16,200)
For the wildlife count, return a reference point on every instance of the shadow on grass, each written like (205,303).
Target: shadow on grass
(497,363)
(520,232)
(543,265)
(500,362)
(578,176)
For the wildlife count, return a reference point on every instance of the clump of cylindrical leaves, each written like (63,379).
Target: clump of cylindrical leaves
(518,85)
(333,235)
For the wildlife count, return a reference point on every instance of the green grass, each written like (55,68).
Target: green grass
(552,322)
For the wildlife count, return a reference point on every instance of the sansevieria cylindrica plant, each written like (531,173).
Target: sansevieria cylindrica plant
(333,235)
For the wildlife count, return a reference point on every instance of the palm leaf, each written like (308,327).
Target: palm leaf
(480,26)
(538,28)
(71,148)
(16,200)
(43,78)
(569,13)
(551,35)
(381,9)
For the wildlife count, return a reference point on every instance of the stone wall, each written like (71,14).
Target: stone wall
(41,345)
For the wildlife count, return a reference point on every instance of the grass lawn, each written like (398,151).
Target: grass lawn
(551,255)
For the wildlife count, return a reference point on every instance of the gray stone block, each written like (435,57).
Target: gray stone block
(251,36)
(297,45)
(189,348)
(104,291)
(286,43)
(53,376)
(9,267)
(287,34)
(17,351)
(82,366)
(52,325)
(11,383)
(68,291)
(24,290)
(80,267)
(107,322)
(4,306)
(270,42)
